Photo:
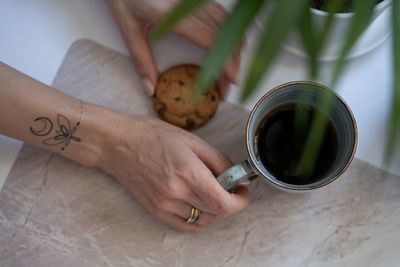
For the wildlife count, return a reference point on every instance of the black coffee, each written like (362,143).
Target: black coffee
(280,145)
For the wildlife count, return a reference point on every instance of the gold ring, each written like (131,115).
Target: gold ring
(194,215)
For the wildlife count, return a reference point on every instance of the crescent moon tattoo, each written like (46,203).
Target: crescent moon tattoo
(46,127)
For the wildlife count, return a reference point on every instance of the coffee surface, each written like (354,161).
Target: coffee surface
(280,144)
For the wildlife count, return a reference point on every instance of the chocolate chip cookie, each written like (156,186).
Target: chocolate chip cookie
(173,99)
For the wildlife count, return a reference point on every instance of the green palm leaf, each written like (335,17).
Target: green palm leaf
(283,16)
(184,8)
(310,39)
(395,116)
(314,39)
(333,7)
(227,40)
(363,10)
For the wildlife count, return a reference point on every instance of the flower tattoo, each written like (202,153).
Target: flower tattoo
(62,136)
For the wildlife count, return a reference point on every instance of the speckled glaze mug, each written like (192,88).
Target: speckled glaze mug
(308,93)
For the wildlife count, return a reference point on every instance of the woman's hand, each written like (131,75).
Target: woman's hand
(136,17)
(168,171)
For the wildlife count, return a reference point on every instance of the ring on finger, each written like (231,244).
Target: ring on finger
(194,215)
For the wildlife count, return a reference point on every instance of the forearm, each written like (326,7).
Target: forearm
(38,114)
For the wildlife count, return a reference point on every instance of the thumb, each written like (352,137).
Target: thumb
(135,33)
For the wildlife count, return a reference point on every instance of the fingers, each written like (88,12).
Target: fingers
(216,161)
(232,66)
(171,211)
(216,14)
(242,191)
(219,201)
(196,31)
(135,33)
(179,223)
(183,210)
(158,210)
(201,29)
(196,176)
(212,162)
(224,86)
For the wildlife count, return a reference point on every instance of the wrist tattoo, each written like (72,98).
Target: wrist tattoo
(61,136)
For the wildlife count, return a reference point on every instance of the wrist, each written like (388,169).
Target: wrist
(104,132)
(97,130)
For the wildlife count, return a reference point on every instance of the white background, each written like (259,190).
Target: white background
(35,36)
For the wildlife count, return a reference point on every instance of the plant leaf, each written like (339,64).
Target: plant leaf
(363,10)
(284,15)
(316,133)
(333,7)
(309,37)
(226,41)
(184,8)
(394,129)
(314,37)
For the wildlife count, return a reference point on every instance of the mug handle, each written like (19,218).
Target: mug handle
(236,174)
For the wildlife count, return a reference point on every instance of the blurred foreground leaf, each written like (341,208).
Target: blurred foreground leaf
(314,38)
(183,9)
(394,129)
(282,18)
(226,41)
(363,11)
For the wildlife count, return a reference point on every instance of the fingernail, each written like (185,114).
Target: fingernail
(148,86)
(225,91)
(234,79)
(225,85)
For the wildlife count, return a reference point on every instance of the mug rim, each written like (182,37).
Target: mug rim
(293,187)
(347,14)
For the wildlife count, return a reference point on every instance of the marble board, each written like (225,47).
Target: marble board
(54,212)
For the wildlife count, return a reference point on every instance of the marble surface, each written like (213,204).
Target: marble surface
(38,51)
(54,212)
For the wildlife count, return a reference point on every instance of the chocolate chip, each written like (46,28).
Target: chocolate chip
(160,106)
(164,80)
(190,123)
(213,98)
(191,72)
(181,83)
(177,98)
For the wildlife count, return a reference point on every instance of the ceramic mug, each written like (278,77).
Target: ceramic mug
(337,35)
(342,22)
(340,116)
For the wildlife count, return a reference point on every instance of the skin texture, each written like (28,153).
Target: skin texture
(167,169)
(135,18)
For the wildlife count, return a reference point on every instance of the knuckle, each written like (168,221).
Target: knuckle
(157,213)
(139,61)
(225,161)
(224,209)
(246,203)
(182,170)
(162,206)
(208,220)
(171,190)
